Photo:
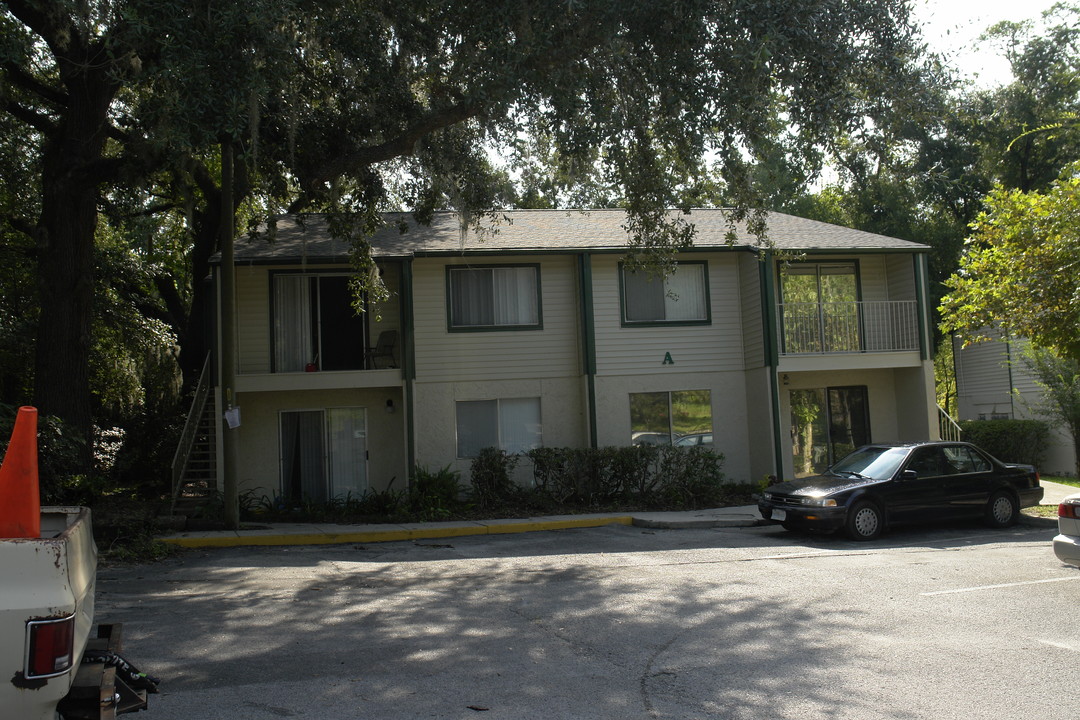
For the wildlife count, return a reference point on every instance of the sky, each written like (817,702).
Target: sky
(952,27)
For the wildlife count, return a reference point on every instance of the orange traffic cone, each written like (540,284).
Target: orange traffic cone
(20,500)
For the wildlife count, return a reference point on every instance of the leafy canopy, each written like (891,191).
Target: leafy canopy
(1020,270)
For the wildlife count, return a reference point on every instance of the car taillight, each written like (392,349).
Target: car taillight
(1069,510)
(49,647)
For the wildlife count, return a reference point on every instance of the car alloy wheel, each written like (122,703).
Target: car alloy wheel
(864,521)
(1001,510)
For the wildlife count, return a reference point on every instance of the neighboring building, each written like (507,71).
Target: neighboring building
(993,383)
(535,334)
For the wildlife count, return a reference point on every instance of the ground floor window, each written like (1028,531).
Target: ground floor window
(510,424)
(680,417)
(827,424)
(323,454)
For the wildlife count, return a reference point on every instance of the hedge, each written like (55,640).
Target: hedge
(1010,441)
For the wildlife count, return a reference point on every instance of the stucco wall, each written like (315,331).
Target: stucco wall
(259,434)
(731,430)
(563,415)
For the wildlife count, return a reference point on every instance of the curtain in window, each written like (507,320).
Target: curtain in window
(470,298)
(477,426)
(644,296)
(679,297)
(348,452)
(303,472)
(292,323)
(519,424)
(685,296)
(484,297)
(515,296)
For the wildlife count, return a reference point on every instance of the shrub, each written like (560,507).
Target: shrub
(434,495)
(1011,441)
(492,477)
(649,475)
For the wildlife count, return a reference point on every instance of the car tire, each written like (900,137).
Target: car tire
(865,521)
(1002,510)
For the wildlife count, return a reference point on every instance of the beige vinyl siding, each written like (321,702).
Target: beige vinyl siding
(983,380)
(752,321)
(901,274)
(874,283)
(693,348)
(444,356)
(253,319)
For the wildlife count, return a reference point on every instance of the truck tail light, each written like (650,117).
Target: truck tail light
(50,646)
(1069,510)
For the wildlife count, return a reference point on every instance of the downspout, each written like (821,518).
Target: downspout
(588,341)
(408,360)
(767,283)
(923,302)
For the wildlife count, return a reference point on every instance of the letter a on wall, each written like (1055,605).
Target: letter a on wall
(667,359)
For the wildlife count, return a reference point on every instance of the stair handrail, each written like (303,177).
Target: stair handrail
(191,427)
(948,428)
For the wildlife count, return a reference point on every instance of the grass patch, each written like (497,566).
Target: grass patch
(1062,480)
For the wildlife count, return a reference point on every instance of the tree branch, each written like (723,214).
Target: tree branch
(402,145)
(42,123)
(19,76)
(48,20)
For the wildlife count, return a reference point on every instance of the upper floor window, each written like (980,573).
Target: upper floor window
(494,298)
(681,297)
(314,324)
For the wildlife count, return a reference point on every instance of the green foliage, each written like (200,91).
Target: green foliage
(1020,272)
(434,495)
(652,476)
(1059,381)
(492,478)
(1010,441)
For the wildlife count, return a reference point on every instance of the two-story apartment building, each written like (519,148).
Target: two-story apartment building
(536,334)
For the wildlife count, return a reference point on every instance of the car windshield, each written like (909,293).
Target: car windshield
(878,463)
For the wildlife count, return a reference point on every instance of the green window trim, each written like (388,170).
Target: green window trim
(493,327)
(707,300)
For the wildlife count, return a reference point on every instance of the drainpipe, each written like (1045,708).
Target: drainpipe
(767,283)
(588,330)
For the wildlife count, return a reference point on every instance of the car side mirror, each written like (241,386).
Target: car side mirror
(908,475)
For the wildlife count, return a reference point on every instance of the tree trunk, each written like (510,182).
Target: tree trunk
(66,233)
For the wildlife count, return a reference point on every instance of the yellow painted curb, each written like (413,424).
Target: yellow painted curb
(375,536)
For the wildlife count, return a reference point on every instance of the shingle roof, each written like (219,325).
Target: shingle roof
(518,231)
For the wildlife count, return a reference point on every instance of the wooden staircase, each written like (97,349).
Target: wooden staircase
(194,469)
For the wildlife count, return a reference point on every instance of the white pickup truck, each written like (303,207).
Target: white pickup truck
(51,665)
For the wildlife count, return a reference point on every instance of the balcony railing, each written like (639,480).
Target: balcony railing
(848,327)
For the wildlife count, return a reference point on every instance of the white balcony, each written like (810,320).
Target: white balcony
(848,327)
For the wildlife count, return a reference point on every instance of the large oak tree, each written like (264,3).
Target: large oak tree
(361,105)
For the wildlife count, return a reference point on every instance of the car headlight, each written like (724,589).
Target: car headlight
(819,501)
(767,496)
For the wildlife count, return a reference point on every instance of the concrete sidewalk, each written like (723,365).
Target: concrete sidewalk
(326,534)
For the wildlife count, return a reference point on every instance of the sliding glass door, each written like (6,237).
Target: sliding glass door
(323,454)
(827,424)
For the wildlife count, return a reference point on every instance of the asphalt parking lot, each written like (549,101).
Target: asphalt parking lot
(612,622)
